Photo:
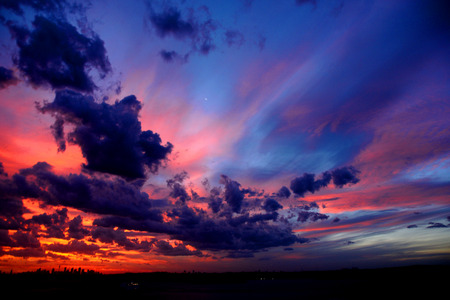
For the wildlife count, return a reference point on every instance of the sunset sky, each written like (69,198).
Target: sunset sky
(140,136)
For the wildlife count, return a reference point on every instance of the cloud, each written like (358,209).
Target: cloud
(74,246)
(16,6)
(147,225)
(25,253)
(308,183)
(76,229)
(215,201)
(222,232)
(20,244)
(7,78)
(309,211)
(12,191)
(239,254)
(272,205)
(170,56)
(2,170)
(221,235)
(165,248)
(121,205)
(284,192)
(109,135)
(25,240)
(55,54)
(345,175)
(304,216)
(118,236)
(178,191)
(197,28)
(111,196)
(233,195)
(55,224)
(169,22)
(436,225)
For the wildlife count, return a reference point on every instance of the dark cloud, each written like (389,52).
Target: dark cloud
(251,192)
(120,205)
(55,224)
(20,244)
(304,216)
(169,22)
(7,78)
(196,27)
(25,252)
(76,228)
(110,135)
(113,196)
(230,230)
(308,183)
(12,191)
(212,234)
(16,6)
(233,194)
(243,232)
(272,205)
(118,236)
(412,226)
(171,56)
(149,225)
(436,225)
(215,201)
(284,192)
(178,191)
(345,175)
(2,170)
(240,254)
(25,240)
(5,239)
(74,246)
(165,248)
(186,216)
(247,219)
(309,206)
(55,54)
(307,212)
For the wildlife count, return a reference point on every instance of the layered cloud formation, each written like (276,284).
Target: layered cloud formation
(110,136)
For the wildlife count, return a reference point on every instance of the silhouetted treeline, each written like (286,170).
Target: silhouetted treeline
(340,284)
(65,271)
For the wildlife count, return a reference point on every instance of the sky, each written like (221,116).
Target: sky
(216,136)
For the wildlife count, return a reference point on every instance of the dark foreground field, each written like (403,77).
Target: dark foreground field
(401,283)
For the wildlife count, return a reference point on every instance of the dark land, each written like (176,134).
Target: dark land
(400,282)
